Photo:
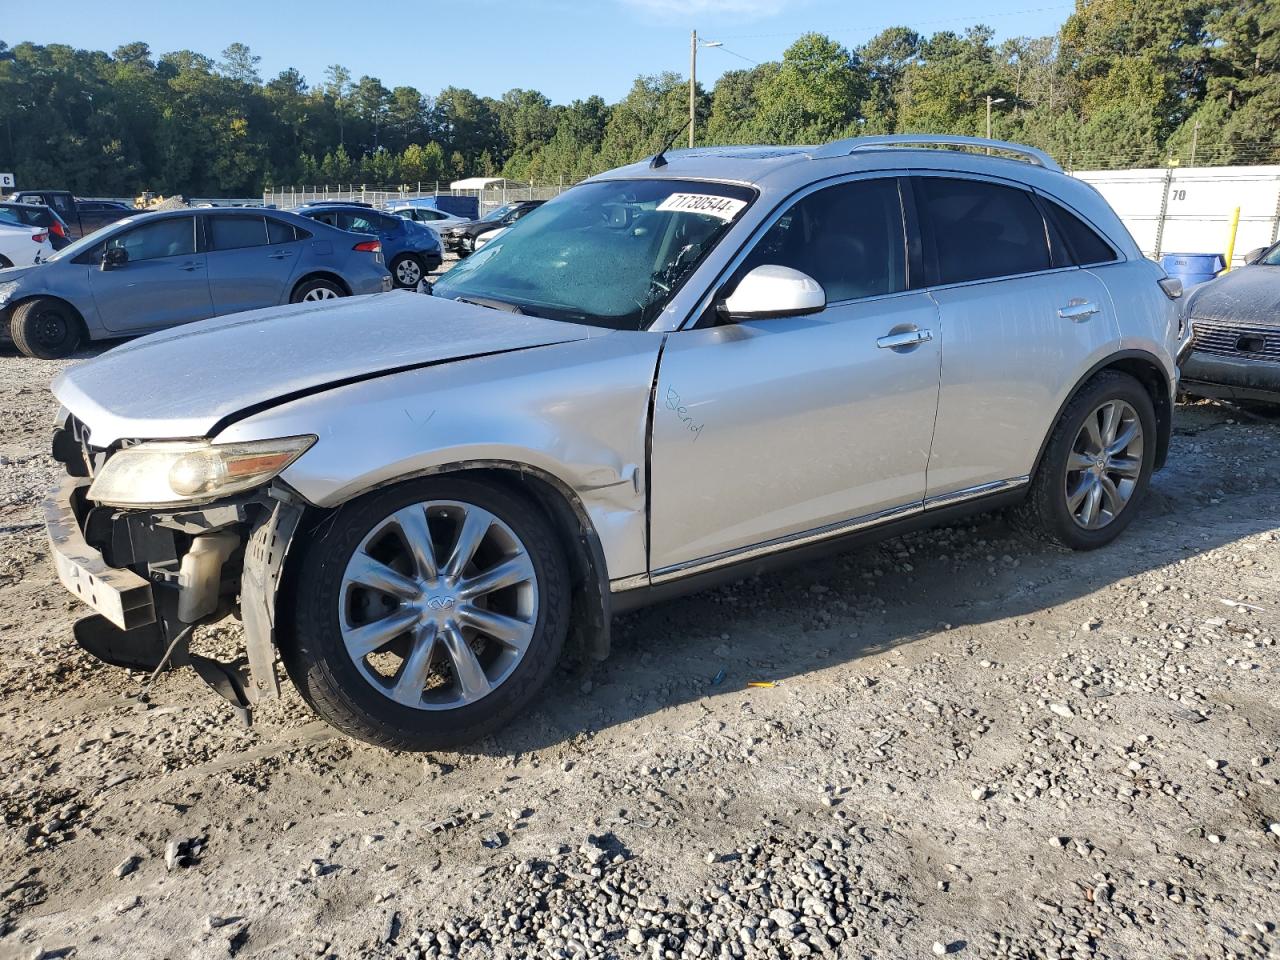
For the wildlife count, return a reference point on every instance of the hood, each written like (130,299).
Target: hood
(9,274)
(187,381)
(1246,295)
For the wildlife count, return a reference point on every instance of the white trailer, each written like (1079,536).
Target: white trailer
(1189,210)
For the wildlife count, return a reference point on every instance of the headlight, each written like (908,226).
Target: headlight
(170,473)
(6,290)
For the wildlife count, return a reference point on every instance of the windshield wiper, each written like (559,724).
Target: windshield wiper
(492,304)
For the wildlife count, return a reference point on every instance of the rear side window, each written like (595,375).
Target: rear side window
(1082,242)
(980,230)
(848,237)
(235,233)
(280,232)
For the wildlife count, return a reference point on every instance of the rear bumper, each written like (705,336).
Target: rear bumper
(1229,378)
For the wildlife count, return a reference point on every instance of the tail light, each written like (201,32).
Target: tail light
(56,228)
(41,237)
(369,246)
(1171,286)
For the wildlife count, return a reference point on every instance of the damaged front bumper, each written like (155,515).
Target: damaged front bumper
(152,576)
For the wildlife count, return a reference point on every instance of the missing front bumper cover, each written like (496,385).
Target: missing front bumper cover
(136,621)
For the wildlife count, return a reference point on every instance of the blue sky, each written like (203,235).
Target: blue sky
(564,48)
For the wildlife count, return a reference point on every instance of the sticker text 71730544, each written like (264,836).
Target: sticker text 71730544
(723,208)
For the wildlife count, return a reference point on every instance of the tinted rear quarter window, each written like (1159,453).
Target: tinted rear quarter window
(1082,242)
(980,230)
(235,233)
(280,232)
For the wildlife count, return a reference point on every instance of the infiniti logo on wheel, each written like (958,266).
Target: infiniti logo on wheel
(440,603)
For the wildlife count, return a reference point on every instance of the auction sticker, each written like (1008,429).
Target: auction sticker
(725,208)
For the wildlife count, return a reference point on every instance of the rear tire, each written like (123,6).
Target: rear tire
(1081,497)
(316,289)
(467,683)
(45,328)
(407,271)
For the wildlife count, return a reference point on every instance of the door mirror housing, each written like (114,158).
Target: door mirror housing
(113,257)
(771,291)
(1253,256)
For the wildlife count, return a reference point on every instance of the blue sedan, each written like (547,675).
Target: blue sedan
(411,249)
(159,270)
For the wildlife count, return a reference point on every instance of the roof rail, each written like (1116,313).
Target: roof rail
(840,148)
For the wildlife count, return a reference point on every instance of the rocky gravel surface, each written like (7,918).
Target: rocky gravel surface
(973,746)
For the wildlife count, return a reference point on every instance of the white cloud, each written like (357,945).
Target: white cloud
(753,9)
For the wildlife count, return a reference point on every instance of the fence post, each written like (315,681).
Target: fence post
(1164,209)
(1275,222)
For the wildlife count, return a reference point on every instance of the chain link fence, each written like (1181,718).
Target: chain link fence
(288,198)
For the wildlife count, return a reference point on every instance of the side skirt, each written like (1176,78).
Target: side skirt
(666,585)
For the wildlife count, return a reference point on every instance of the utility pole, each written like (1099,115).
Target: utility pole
(1195,141)
(693,84)
(694,43)
(990,101)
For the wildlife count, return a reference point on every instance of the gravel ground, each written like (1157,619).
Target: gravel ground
(974,746)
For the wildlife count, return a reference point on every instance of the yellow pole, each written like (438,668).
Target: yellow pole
(1231,240)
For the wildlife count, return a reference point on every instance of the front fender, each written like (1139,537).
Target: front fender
(576,412)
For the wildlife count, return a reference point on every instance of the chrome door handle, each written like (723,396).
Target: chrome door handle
(189,267)
(1077,311)
(280,256)
(907,338)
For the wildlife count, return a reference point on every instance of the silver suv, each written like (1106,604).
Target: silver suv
(679,371)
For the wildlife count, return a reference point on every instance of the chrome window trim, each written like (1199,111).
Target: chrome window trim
(828,531)
(786,203)
(1002,279)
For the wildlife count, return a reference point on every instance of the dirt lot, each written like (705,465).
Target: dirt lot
(976,746)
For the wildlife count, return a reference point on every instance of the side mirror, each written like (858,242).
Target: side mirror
(1253,256)
(771,291)
(113,257)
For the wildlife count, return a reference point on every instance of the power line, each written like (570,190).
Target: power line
(966,18)
(734,53)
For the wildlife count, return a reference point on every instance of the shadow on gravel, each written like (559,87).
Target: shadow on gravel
(87,352)
(909,589)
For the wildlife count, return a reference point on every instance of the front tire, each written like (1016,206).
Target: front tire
(428,615)
(45,328)
(316,289)
(407,271)
(1096,467)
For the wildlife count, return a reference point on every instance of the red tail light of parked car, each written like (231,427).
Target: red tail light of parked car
(369,246)
(40,237)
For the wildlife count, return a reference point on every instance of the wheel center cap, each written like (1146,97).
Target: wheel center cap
(438,601)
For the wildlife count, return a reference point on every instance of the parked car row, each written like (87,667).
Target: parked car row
(411,250)
(461,238)
(41,217)
(81,217)
(157,270)
(680,371)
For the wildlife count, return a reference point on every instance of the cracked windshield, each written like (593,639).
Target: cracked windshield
(610,254)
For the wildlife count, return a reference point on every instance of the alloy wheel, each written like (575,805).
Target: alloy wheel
(438,604)
(408,273)
(1104,464)
(320,293)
